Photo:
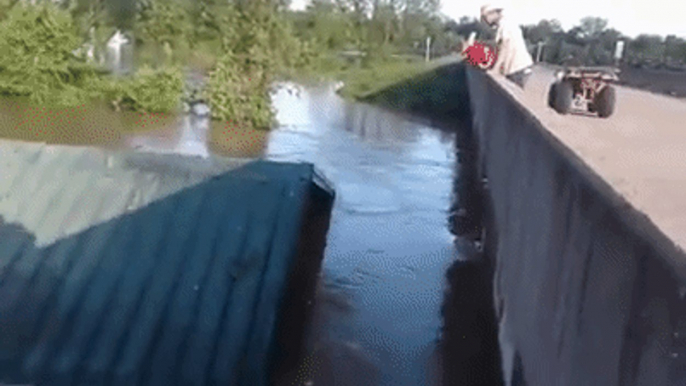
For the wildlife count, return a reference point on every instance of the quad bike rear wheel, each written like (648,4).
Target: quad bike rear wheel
(561,96)
(551,95)
(604,102)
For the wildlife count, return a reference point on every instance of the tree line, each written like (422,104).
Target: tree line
(591,42)
(379,28)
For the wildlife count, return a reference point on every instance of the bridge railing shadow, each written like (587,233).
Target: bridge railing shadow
(469,345)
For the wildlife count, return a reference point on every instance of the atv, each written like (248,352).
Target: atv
(584,88)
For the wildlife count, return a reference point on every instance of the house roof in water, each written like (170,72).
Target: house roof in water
(143,268)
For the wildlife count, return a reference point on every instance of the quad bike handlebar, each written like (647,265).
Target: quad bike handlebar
(608,74)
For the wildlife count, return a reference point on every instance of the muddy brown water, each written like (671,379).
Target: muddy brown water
(377,316)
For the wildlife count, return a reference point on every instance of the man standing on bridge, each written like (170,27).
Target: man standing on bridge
(513,58)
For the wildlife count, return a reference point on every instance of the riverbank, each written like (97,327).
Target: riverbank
(363,80)
(357,81)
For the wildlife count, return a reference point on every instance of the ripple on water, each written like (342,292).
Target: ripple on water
(371,210)
(358,278)
(368,199)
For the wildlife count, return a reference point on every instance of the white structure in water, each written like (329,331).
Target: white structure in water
(90,53)
(114,49)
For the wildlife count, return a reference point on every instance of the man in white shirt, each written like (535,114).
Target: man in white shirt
(513,60)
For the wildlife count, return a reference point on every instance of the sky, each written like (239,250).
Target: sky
(631,17)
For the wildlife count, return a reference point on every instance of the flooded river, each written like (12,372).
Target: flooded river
(377,317)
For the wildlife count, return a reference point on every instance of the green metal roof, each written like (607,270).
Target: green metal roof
(143,268)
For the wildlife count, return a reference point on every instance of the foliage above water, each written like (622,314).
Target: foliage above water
(151,90)
(162,22)
(256,46)
(37,43)
(234,97)
(39,61)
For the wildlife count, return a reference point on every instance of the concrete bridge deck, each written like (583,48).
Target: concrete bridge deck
(126,268)
(640,150)
(586,228)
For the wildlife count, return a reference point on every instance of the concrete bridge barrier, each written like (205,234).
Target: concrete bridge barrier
(584,229)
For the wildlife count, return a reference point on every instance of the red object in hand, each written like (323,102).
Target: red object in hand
(480,55)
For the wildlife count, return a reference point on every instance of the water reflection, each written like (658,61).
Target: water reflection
(469,340)
(379,126)
(469,344)
(188,137)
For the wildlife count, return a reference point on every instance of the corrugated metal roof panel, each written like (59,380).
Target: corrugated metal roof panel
(142,269)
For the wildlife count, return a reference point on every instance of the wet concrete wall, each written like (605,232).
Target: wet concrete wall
(583,293)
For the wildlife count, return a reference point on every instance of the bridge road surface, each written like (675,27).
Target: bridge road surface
(640,150)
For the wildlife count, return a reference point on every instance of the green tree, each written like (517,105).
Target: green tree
(161,22)
(5,6)
(330,24)
(38,44)
(211,19)
(591,27)
(262,43)
(541,32)
(646,48)
(589,42)
(674,49)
